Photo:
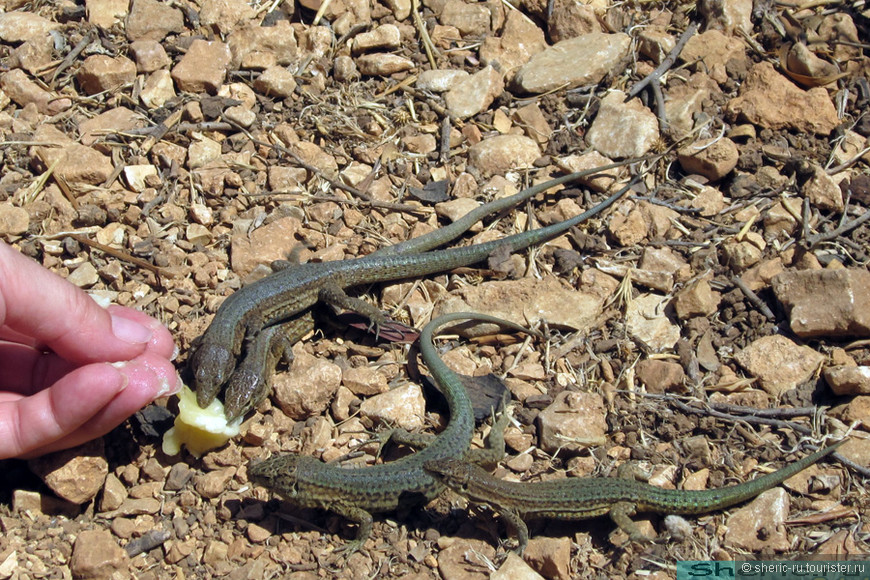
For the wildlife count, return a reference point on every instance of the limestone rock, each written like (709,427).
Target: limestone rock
(623,129)
(22,26)
(574,62)
(848,380)
(100,73)
(660,376)
(712,50)
(440,80)
(519,41)
(524,301)
(149,55)
(308,387)
(75,474)
(770,100)
(573,421)
(96,555)
(470,19)
(830,303)
(761,524)
(13,220)
(380,64)
(515,568)
(402,406)
(22,90)
(153,20)
(224,15)
(203,68)
(778,363)
(502,153)
(712,158)
(474,94)
(645,320)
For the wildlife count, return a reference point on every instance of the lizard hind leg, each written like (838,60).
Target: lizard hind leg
(494,450)
(333,295)
(621,513)
(399,436)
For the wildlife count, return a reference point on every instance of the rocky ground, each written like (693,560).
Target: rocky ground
(162,155)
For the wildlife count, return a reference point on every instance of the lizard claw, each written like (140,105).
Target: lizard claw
(382,438)
(641,538)
(386,329)
(349,548)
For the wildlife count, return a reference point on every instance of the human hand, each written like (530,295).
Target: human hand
(70,370)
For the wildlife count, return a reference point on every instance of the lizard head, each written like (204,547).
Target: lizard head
(277,473)
(453,473)
(245,390)
(212,366)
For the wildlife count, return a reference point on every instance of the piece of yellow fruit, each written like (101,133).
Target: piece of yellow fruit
(199,430)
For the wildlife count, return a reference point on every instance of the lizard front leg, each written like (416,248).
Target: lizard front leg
(359,516)
(519,525)
(251,382)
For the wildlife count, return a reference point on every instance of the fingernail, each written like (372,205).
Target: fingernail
(167,390)
(125,380)
(130,331)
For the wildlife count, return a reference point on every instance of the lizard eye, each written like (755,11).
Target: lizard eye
(461,483)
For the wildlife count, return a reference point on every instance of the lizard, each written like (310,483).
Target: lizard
(590,497)
(305,481)
(289,292)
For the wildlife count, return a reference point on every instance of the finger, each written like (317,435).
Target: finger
(27,370)
(159,380)
(40,304)
(161,342)
(31,422)
(7,333)
(85,404)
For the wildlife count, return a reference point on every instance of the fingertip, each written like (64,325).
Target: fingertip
(160,340)
(148,377)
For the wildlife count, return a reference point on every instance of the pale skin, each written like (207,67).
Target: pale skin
(71,370)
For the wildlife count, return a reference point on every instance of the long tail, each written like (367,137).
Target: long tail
(716,499)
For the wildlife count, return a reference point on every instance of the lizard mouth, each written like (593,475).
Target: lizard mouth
(276,472)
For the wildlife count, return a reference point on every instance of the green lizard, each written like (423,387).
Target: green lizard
(590,497)
(290,292)
(355,493)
